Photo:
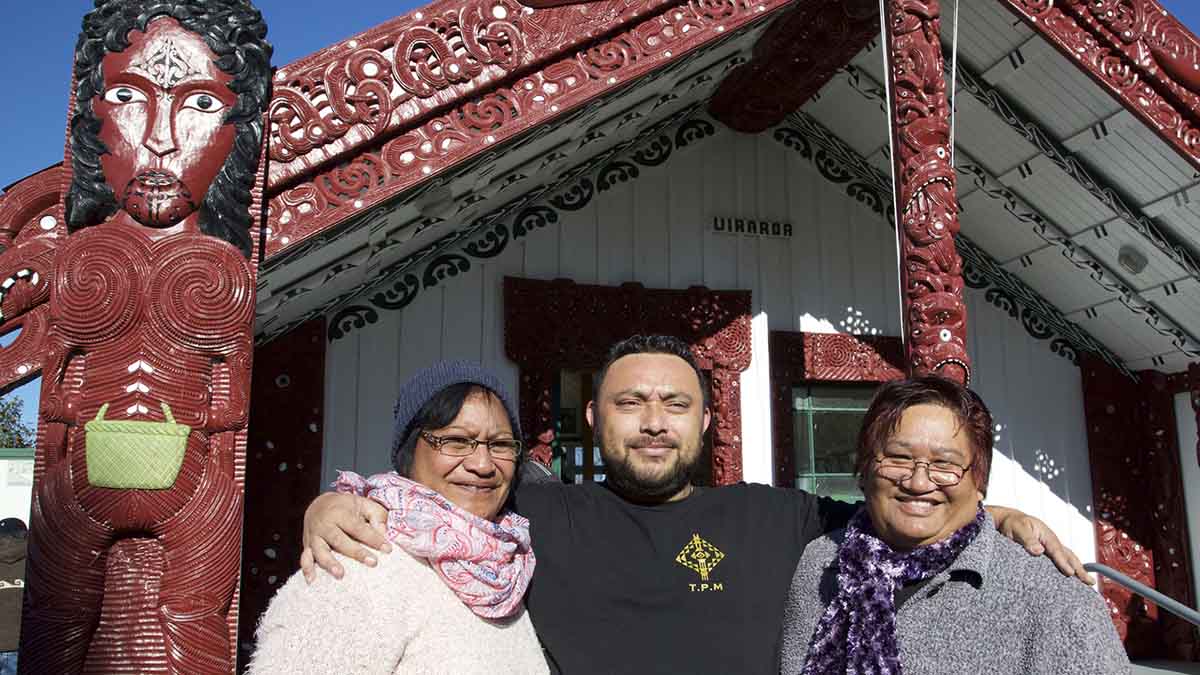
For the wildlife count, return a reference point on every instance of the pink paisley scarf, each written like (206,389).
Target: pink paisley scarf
(487,564)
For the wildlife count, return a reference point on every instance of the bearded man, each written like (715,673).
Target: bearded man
(647,572)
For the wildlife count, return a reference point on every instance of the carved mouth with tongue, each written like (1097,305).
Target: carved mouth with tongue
(157,198)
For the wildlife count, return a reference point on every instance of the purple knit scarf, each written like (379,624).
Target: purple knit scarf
(857,633)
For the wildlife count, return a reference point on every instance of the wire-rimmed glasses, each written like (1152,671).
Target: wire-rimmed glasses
(900,469)
(461,446)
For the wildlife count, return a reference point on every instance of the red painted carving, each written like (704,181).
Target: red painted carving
(931,271)
(587,320)
(151,304)
(1137,51)
(852,358)
(1137,494)
(799,358)
(402,70)
(31,226)
(1193,379)
(548,61)
(283,465)
(787,370)
(792,60)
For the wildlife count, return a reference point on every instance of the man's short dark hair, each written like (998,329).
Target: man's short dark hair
(653,344)
(235,31)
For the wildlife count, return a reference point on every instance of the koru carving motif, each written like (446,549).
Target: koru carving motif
(1137,493)
(715,323)
(362,122)
(137,507)
(931,271)
(1136,50)
(31,227)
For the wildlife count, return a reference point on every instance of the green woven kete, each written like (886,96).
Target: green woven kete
(135,455)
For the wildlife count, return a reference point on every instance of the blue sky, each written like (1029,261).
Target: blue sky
(37,38)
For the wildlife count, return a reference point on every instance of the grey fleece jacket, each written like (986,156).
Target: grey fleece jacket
(997,609)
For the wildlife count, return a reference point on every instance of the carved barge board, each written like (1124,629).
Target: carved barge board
(528,68)
(1137,52)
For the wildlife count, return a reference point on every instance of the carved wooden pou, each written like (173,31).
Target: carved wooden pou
(935,316)
(137,506)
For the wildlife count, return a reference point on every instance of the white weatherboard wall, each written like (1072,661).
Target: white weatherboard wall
(836,274)
(1040,461)
(1185,418)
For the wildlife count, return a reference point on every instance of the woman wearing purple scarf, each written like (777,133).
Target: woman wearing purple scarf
(920,581)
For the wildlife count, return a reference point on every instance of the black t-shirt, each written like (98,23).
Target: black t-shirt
(694,586)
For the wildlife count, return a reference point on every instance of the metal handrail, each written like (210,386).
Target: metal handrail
(1171,605)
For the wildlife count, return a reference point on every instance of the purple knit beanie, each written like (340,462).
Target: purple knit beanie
(421,387)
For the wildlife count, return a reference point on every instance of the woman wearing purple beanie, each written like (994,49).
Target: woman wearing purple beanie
(448,597)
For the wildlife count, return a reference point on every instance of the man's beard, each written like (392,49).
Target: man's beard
(623,477)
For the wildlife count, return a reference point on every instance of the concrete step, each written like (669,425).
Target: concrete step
(1166,668)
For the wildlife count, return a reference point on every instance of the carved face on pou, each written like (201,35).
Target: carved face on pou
(167,126)
(162,120)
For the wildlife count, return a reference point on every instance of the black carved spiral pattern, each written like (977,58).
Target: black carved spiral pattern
(202,296)
(99,278)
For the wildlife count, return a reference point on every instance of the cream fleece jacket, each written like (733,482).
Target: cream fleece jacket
(396,618)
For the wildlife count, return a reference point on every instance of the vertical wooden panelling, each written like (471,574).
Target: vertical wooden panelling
(617,246)
(542,250)
(511,264)
(773,284)
(1040,462)
(687,218)
(719,196)
(803,251)
(462,312)
(341,404)
(378,350)
(652,240)
(578,247)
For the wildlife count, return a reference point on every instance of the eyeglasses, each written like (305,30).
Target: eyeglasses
(900,469)
(461,446)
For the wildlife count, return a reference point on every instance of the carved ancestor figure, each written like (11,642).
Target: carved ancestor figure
(931,271)
(137,512)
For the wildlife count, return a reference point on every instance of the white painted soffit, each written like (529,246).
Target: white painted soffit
(1054,208)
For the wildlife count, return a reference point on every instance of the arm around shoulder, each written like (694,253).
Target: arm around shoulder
(352,625)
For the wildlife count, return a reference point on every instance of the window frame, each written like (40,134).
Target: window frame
(801,359)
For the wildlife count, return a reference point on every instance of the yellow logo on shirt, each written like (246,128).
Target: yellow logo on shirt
(701,557)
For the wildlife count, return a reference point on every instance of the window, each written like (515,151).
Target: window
(826,423)
(576,454)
